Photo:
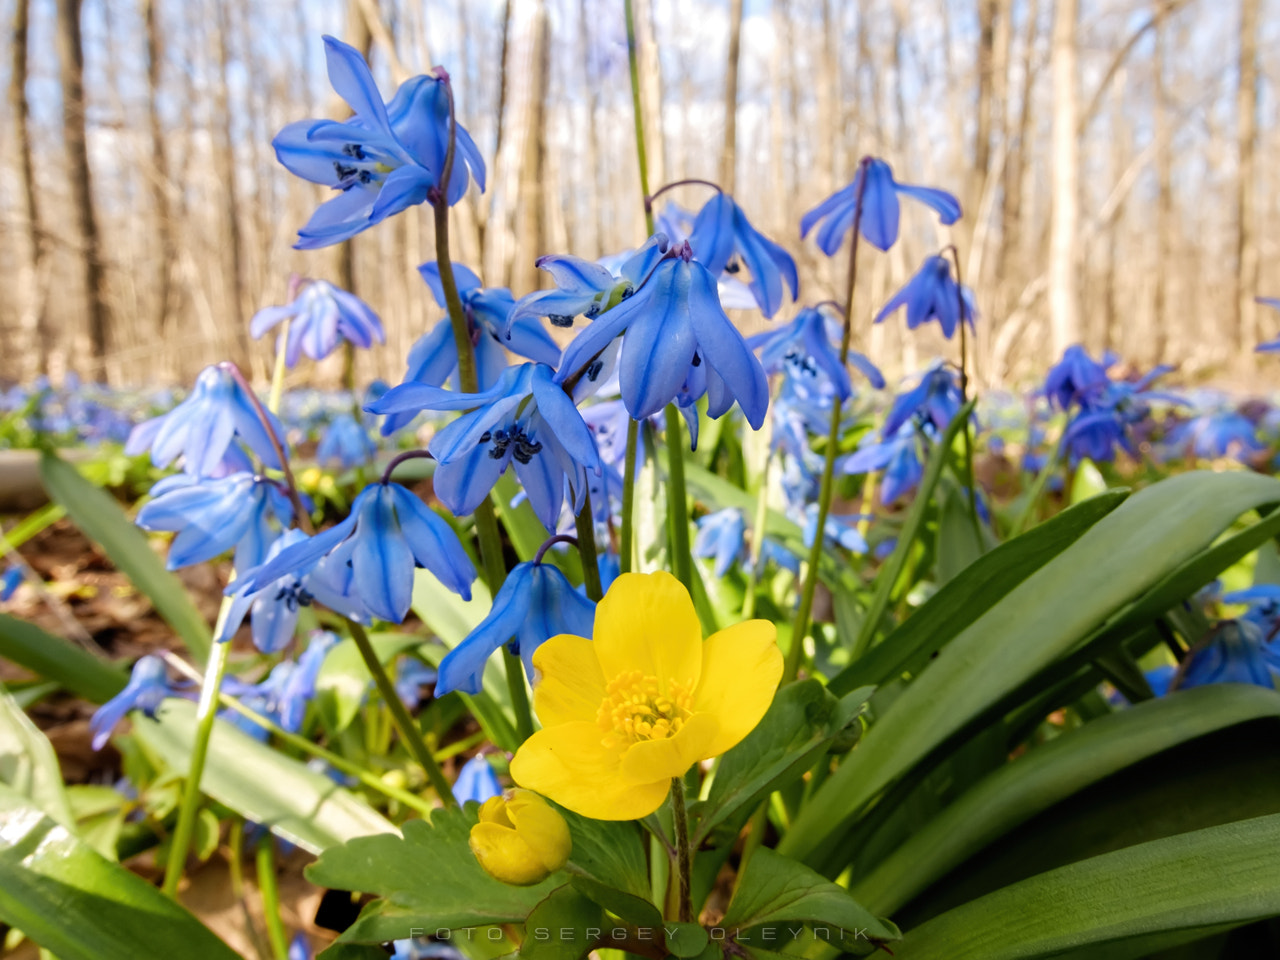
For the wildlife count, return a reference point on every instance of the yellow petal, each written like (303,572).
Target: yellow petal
(651,760)
(570,684)
(646,622)
(570,764)
(741,667)
(541,827)
(494,810)
(505,855)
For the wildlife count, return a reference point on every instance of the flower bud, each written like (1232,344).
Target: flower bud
(520,838)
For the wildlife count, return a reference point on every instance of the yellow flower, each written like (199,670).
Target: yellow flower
(644,701)
(520,838)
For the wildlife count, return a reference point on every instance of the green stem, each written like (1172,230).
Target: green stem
(626,539)
(964,398)
(206,713)
(587,551)
(495,573)
(684,855)
(677,500)
(757,540)
(1033,496)
(409,731)
(266,862)
(800,628)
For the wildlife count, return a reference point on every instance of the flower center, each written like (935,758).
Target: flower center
(635,708)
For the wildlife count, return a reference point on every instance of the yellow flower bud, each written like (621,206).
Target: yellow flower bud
(520,838)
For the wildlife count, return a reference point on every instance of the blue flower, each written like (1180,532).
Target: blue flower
(322,316)
(210,516)
(299,687)
(722,237)
(1264,607)
(9,583)
(300,947)
(346,441)
(476,781)
(535,603)
(525,420)
(148,686)
(1078,378)
(879,222)
(933,402)
(585,288)
(773,552)
(411,676)
(1235,652)
(932,294)
(422,949)
(808,347)
(266,698)
(720,535)
(898,455)
(385,159)
(1105,423)
(1218,434)
(203,426)
(675,331)
(842,531)
(374,552)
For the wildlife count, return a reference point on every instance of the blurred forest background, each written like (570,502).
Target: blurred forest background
(1112,157)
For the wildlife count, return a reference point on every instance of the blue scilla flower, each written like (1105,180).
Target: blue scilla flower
(411,676)
(1077,378)
(724,239)
(321,316)
(721,535)
(809,346)
(898,455)
(879,222)
(1216,434)
(388,533)
(674,325)
(300,947)
(772,552)
(476,781)
(586,288)
(10,580)
(934,401)
(266,698)
(147,687)
(1235,652)
(212,515)
(525,420)
(840,531)
(933,294)
(385,159)
(535,603)
(299,687)
(1263,600)
(201,428)
(420,948)
(1105,424)
(347,442)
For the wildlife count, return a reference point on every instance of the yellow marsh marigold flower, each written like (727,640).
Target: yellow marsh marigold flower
(644,701)
(520,838)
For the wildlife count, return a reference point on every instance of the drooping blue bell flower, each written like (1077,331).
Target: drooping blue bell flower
(1264,607)
(724,239)
(411,676)
(147,688)
(772,552)
(385,159)
(1216,434)
(1077,378)
(934,401)
(1235,652)
(898,455)
(535,603)
(525,420)
(10,580)
(210,516)
(721,535)
(300,947)
(388,532)
(809,346)
(321,316)
(672,325)
(933,294)
(299,687)
(1105,423)
(841,531)
(267,698)
(347,442)
(476,781)
(201,428)
(879,221)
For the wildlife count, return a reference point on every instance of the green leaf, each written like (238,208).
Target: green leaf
(959,546)
(561,926)
(1051,773)
(57,659)
(972,593)
(775,894)
(429,879)
(28,765)
(103,521)
(1124,904)
(1120,558)
(261,784)
(1088,482)
(344,679)
(608,865)
(81,906)
(686,940)
(795,730)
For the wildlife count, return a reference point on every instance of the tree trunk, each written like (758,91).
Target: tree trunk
(32,344)
(84,223)
(729,157)
(161,208)
(531,226)
(988,11)
(1064,302)
(1246,323)
(1011,232)
(227,171)
(1160,318)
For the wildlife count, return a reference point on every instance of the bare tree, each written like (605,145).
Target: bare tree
(1246,323)
(729,157)
(159,179)
(1064,301)
(32,344)
(1160,320)
(532,219)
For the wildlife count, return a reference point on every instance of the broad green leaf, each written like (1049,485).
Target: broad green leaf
(262,784)
(58,659)
(609,866)
(973,592)
(959,544)
(1121,905)
(28,765)
(103,521)
(564,926)
(1088,482)
(796,729)
(99,814)
(776,894)
(344,677)
(1051,773)
(428,877)
(686,940)
(1120,558)
(81,906)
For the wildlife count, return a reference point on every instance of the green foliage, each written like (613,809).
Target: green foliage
(344,680)
(57,659)
(608,865)
(28,766)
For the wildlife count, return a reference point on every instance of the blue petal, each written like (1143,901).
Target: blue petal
(464,277)
(350,77)
(463,667)
(946,206)
(403,188)
(638,267)
(660,343)
(712,236)
(434,544)
(576,275)
(879,223)
(724,349)
(842,198)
